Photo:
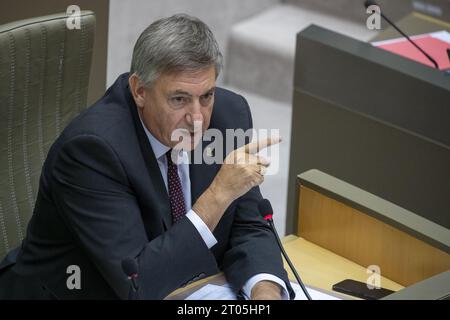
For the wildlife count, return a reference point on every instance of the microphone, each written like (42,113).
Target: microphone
(130,268)
(265,209)
(369,3)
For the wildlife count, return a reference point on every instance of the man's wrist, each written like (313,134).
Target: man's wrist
(210,206)
(266,290)
(218,195)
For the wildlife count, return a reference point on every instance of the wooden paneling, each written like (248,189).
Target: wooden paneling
(321,268)
(366,240)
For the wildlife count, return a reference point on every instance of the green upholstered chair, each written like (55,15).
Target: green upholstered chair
(44,74)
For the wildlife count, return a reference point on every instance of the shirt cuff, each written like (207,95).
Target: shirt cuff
(247,289)
(202,228)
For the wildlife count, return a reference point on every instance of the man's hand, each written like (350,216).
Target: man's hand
(266,290)
(242,170)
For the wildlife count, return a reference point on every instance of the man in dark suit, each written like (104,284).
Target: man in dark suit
(115,186)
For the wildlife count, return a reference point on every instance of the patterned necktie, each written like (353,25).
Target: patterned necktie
(176,197)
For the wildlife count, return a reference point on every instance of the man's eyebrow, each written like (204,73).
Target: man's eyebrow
(179,91)
(209,90)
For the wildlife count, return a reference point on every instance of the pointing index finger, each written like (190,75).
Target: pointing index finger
(258,145)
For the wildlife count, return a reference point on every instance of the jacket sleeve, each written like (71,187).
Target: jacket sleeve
(252,245)
(93,196)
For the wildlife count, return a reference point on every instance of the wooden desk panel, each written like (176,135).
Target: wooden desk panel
(366,240)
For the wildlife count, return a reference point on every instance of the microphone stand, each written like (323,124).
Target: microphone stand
(297,277)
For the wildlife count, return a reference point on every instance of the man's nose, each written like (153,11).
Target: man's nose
(194,114)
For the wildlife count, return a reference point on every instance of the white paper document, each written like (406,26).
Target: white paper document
(224,292)
(315,294)
(213,292)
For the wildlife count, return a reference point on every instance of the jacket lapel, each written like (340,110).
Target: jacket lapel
(159,190)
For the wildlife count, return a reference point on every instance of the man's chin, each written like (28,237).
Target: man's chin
(192,146)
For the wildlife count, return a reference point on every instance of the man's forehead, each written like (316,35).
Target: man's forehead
(189,82)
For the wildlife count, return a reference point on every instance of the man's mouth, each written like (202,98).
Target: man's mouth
(190,136)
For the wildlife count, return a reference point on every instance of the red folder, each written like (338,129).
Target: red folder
(435,44)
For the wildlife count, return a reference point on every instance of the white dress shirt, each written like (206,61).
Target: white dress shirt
(160,151)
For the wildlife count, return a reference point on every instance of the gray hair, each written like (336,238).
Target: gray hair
(174,44)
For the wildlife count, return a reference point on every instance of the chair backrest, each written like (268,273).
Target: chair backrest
(44,74)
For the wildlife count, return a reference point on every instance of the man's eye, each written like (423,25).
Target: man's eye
(178,100)
(207,97)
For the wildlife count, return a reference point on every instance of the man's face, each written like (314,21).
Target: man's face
(176,104)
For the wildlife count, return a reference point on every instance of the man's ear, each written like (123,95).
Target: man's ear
(137,90)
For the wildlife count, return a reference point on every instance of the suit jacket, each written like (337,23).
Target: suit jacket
(102,199)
